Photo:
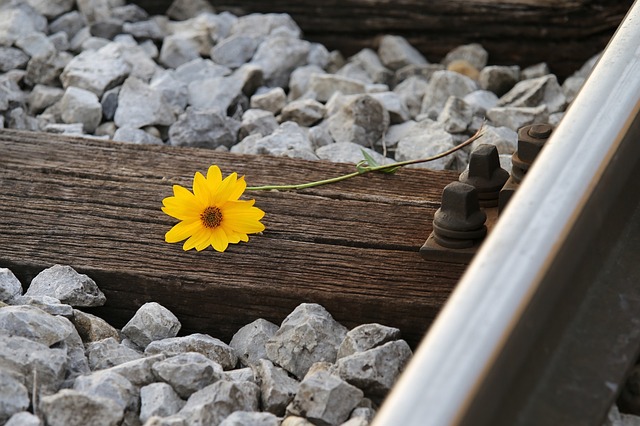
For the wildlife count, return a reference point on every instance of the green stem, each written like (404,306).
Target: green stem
(367,169)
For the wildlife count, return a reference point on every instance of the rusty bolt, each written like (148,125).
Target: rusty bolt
(459,221)
(485,174)
(531,139)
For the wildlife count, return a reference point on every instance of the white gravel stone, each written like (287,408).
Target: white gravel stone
(235,51)
(323,86)
(395,106)
(223,93)
(535,92)
(425,139)
(138,371)
(16,23)
(70,23)
(199,69)
(240,375)
(348,152)
(186,9)
(278,56)
(481,101)
(14,396)
(305,112)
(257,24)
(214,403)
(424,71)
(110,385)
(272,100)
(66,285)
(145,30)
(12,58)
(288,136)
(140,105)
(36,44)
(442,85)
(365,337)
(133,135)
(212,348)
(360,119)
(72,408)
(375,370)
(534,71)
(295,421)
(456,115)
(35,324)
(22,356)
(96,71)
(277,389)
(50,305)
(325,399)
(308,334)
(50,8)
(249,341)
(504,138)
(81,106)
(159,399)
(206,128)
(42,96)
(108,353)
(47,69)
(257,121)
(23,418)
(243,418)
(395,52)
(516,117)
(369,61)
(319,136)
(151,322)
(300,79)
(499,79)
(188,372)
(10,286)
(412,91)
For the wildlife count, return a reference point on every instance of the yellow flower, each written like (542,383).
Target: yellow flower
(212,214)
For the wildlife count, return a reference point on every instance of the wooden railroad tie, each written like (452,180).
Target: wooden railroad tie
(352,247)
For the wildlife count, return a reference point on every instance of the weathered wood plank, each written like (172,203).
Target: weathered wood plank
(562,33)
(352,247)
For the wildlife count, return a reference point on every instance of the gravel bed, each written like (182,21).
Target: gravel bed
(62,366)
(252,84)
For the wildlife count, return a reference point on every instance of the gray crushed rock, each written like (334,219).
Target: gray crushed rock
(170,71)
(308,370)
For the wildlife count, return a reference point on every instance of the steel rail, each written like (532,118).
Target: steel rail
(545,322)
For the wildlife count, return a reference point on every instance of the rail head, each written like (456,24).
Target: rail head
(488,330)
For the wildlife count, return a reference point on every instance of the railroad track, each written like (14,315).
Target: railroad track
(545,323)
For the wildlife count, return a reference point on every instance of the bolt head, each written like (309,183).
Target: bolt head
(531,139)
(460,208)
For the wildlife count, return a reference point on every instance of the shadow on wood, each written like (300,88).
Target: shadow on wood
(352,247)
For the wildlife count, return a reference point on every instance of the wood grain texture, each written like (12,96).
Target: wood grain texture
(562,33)
(352,247)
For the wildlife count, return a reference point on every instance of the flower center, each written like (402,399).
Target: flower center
(211,217)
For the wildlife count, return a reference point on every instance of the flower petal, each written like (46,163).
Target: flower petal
(226,188)
(214,177)
(196,239)
(241,185)
(181,231)
(181,209)
(201,189)
(218,239)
